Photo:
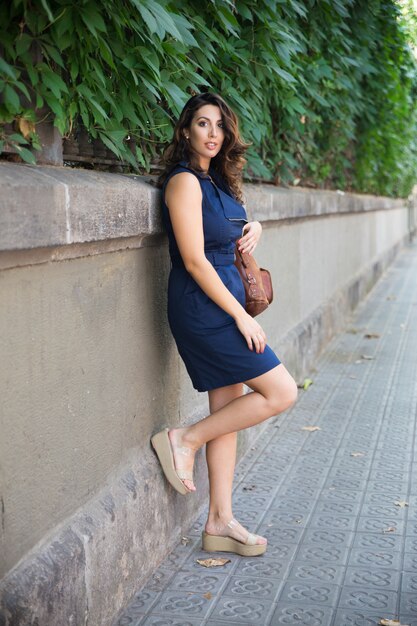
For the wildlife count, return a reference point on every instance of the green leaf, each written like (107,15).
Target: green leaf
(92,19)
(11,99)
(22,88)
(7,69)
(23,42)
(55,55)
(109,144)
(147,17)
(53,81)
(47,10)
(26,155)
(163,19)
(17,137)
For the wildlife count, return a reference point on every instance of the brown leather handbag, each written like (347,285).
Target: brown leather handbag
(256,281)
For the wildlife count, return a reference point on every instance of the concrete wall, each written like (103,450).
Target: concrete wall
(89,370)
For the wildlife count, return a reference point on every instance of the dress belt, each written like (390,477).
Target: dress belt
(216,257)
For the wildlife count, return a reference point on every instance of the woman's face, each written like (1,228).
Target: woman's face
(206,133)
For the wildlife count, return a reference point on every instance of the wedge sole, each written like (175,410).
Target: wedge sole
(162,446)
(214,543)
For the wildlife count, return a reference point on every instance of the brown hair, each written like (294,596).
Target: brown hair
(229,162)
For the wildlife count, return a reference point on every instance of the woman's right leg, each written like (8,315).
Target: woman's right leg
(221,459)
(273,392)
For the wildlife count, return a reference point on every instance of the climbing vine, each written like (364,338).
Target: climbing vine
(325,91)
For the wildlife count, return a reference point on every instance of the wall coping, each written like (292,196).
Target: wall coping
(43,206)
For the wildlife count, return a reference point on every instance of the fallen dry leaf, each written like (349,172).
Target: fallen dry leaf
(311,429)
(353,331)
(401,503)
(185,541)
(391,622)
(372,335)
(26,127)
(357,454)
(390,529)
(249,488)
(207,595)
(367,357)
(212,562)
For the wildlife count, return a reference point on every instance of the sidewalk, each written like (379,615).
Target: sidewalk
(342,543)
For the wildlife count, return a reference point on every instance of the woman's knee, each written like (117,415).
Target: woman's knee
(283,396)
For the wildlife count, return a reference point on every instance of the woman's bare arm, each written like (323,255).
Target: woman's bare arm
(183,197)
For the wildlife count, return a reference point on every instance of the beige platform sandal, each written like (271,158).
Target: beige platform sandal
(217,543)
(162,446)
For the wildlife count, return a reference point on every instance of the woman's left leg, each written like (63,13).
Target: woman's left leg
(221,461)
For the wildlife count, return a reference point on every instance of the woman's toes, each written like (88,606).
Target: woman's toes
(190,485)
(261,541)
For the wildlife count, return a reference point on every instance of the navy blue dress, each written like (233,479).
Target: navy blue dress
(213,349)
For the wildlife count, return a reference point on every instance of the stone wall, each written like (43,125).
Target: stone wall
(89,370)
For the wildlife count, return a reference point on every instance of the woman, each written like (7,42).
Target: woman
(222,346)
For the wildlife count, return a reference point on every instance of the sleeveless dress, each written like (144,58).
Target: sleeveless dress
(214,351)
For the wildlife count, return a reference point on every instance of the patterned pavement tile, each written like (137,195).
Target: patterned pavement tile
(317,572)
(328,538)
(333,522)
(411,545)
(361,618)
(258,568)
(337,508)
(378,541)
(410,562)
(330,554)
(368,599)
(142,602)
(408,620)
(374,558)
(310,615)
(278,518)
(157,620)
(193,580)
(302,506)
(307,592)
(276,533)
(240,610)
(372,578)
(252,587)
(182,604)
(408,603)
(409,583)
(380,525)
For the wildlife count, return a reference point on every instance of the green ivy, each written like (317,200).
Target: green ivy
(325,90)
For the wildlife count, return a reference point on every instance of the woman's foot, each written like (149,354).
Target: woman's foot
(233,529)
(222,536)
(183,457)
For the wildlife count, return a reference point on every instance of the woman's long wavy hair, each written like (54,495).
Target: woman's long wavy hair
(229,162)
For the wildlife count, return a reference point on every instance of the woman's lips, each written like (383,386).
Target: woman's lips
(211,146)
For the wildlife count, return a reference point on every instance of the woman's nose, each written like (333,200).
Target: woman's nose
(213,131)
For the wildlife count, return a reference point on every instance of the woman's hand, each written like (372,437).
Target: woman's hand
(249,241)
(252,332)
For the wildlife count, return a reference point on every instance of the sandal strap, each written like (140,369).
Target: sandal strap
(184,474)
(251,539)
